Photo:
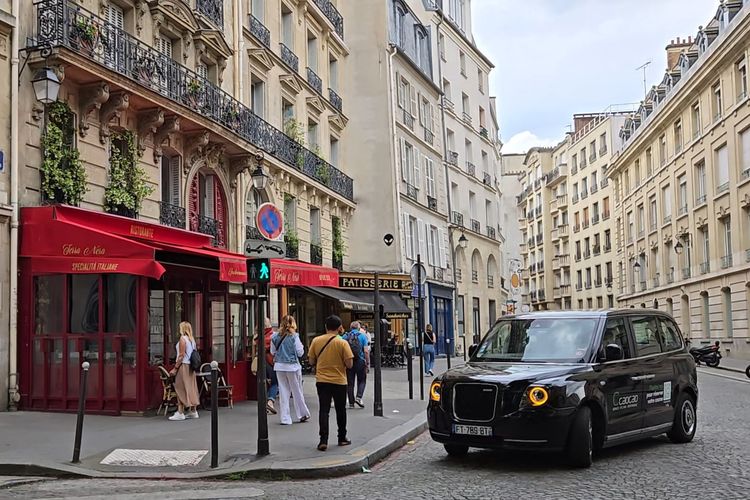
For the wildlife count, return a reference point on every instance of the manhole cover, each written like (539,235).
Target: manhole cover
(154,458)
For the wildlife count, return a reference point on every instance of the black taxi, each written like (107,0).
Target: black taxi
(570,381)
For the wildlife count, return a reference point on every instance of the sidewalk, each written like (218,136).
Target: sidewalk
(733,364)
(35,443)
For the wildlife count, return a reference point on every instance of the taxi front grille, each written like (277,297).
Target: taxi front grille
(474,402)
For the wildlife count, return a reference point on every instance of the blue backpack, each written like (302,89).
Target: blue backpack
(354,344)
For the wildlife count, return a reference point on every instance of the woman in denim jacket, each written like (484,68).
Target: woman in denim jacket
(287,348)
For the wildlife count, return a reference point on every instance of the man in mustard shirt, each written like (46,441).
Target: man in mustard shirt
(331,356)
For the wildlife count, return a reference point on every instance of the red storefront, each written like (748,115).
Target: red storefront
(111,291)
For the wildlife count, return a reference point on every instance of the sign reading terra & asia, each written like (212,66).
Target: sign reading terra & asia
(388,282)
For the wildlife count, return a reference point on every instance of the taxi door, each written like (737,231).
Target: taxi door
(661,372)
(620,381)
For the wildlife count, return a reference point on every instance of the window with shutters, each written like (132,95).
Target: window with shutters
(164,45)
(411,237)
(258,96)
(429,173)
(434,247)
(170,180)
(252,202)
(115,17)
(207,208)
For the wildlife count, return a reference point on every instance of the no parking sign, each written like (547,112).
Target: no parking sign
(269,221)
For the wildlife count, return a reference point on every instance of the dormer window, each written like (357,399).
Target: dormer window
(702,41)
(723,16)
(684,64)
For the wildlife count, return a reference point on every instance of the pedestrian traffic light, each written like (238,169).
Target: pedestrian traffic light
(258,271)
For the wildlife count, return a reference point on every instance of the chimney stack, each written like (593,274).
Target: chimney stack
(675,48)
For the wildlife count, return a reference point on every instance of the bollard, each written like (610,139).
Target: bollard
(448,351)
(81,410)
(409,374)
(214,414)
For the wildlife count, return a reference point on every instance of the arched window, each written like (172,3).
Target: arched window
(254,200)
(491,271)
(670,307)
(705,315)
(208,207)
(476,265)
(726,302)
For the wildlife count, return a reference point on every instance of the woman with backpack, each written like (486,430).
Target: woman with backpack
(428,350)
(287,349)
(185,379)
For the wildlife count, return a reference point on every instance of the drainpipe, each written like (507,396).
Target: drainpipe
(394,143)
(13,394)
(239,94)
(448,188)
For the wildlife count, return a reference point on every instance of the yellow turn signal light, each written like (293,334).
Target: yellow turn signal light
(435,392)
(538,396)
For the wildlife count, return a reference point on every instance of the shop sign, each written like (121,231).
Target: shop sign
(388,283)
(234,271)
(314,276)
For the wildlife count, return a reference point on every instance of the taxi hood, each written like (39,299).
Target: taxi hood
(511,372)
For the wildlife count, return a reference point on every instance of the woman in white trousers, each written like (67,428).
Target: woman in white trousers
(286,348)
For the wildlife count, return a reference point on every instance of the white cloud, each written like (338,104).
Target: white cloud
(523,141)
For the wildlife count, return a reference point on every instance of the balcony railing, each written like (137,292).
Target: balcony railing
(656,281)
(432,203)
(726,261)
(316,254)
(257,29)
(539,239)
(685,273)
(747,255)
(335,100)
(745,174)
(252,233)
(411,192)
(705,268)
(595,219)
(575,198)
(476,226)
(141,63)
(594,188)
(562,200)
(458,218)
(604,183)
(453,158)
(209,226)
(213,10)
(333,15)
(584,194)
(683,210)
(597,250)
(538,211)
(292,250)
(586,254)
(565,290)
(722,187)
(337,261)
(670,276)
(471,169)
(490,281)
(643,285)
(487,179)
(289,58)
(700,200)
(408,119)
(467,117)
(576,228)
(429,136)
(438,274)
(491,233)
(605,215)
(475,276)
(172,215)
(667,219)
(314,80)
(459,275)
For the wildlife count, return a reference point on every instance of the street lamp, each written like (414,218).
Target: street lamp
(46,85)
(463,241)
(637,266)
(260,178)
(678,248)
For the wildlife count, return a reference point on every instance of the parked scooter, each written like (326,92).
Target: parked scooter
(711,355)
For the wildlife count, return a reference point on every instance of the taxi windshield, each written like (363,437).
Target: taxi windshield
(552,340)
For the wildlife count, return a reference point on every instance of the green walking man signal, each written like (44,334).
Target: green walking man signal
(258,270)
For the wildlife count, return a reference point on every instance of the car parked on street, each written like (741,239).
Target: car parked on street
(570,381)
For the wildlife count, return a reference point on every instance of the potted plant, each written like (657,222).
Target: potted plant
(62,171)
(85,33)
(292,241)
(194,93)
(294,130)
(323,172)
(128,183)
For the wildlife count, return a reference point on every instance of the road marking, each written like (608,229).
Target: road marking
(154,458)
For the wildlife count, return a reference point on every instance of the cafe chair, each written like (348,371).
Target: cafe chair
(169,394)
(224,389)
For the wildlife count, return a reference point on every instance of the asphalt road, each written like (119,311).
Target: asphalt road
(713,466)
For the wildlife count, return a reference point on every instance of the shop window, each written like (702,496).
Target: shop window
(83,303)
(49,292)
(156,330)
(121,303)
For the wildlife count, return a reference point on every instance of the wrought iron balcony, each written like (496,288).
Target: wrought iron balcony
(458,218)
(429,136)
(487,179)
(605,215)
(172,215)
(538,211)
(700,200)
(337,261)
(333,15)
(453,158)
(335,100)
(683,210)
(475,276)
(594,188)
(475,226)
(484,133)
(432,203)
(438,273)
(292,247)
(726,261)
(213,10)
(259,31)
(143,64)
(471,169)
(686,272)
(289,57)
(490,281)
(705,268)
(491,233)
(252,233)
(656,281)
(670,276)
(747,255)
(211,227)
(314,80)
(604,183)
(316,254)
(408,119)
(412,192)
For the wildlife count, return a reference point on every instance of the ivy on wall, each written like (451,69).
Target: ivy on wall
(128,182)
(63,174)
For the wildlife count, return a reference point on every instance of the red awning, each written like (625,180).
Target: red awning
(61,239)
(295,273)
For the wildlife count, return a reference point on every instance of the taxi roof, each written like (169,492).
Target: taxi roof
(586,313)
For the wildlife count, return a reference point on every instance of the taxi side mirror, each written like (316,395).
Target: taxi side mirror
(472,350)
(613,352)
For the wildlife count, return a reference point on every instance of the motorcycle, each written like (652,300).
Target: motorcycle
(711,355)
(747,371)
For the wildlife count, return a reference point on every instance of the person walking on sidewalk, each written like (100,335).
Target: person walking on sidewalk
(273,385)
(286,348)
(331,356)
(428,350)
(185,380)
(361,365)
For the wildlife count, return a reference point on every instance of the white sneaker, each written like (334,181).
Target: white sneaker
(192,415)
(177,416)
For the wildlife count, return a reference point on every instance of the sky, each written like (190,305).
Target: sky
(555,58)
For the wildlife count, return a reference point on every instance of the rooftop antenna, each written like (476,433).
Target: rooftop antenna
(643,67)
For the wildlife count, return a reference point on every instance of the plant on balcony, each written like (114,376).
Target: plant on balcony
(338,242)
(231,114)
(296,132)
(194,92)
(63,174)
(85,33)
(291,239)
(128,182)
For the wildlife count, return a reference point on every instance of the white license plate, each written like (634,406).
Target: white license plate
(472,430)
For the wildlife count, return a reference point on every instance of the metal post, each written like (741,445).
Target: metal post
(214,414)
(409,374)
(448,351)
(377,407)
(463,337)
(420,327)
(81,410)
(262,394)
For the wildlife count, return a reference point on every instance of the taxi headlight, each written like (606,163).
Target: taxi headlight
(537,396)
(435,392)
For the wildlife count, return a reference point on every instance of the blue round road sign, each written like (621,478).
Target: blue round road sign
(269,221)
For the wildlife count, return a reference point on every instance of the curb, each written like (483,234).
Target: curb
(736,370)
(246,466)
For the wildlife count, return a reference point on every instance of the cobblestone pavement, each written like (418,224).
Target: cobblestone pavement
(714,465)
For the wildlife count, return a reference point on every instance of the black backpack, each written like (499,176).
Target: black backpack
(195,360)
(356,346)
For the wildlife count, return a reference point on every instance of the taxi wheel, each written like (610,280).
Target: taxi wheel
(456,450)
(581,440)
(685,420)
